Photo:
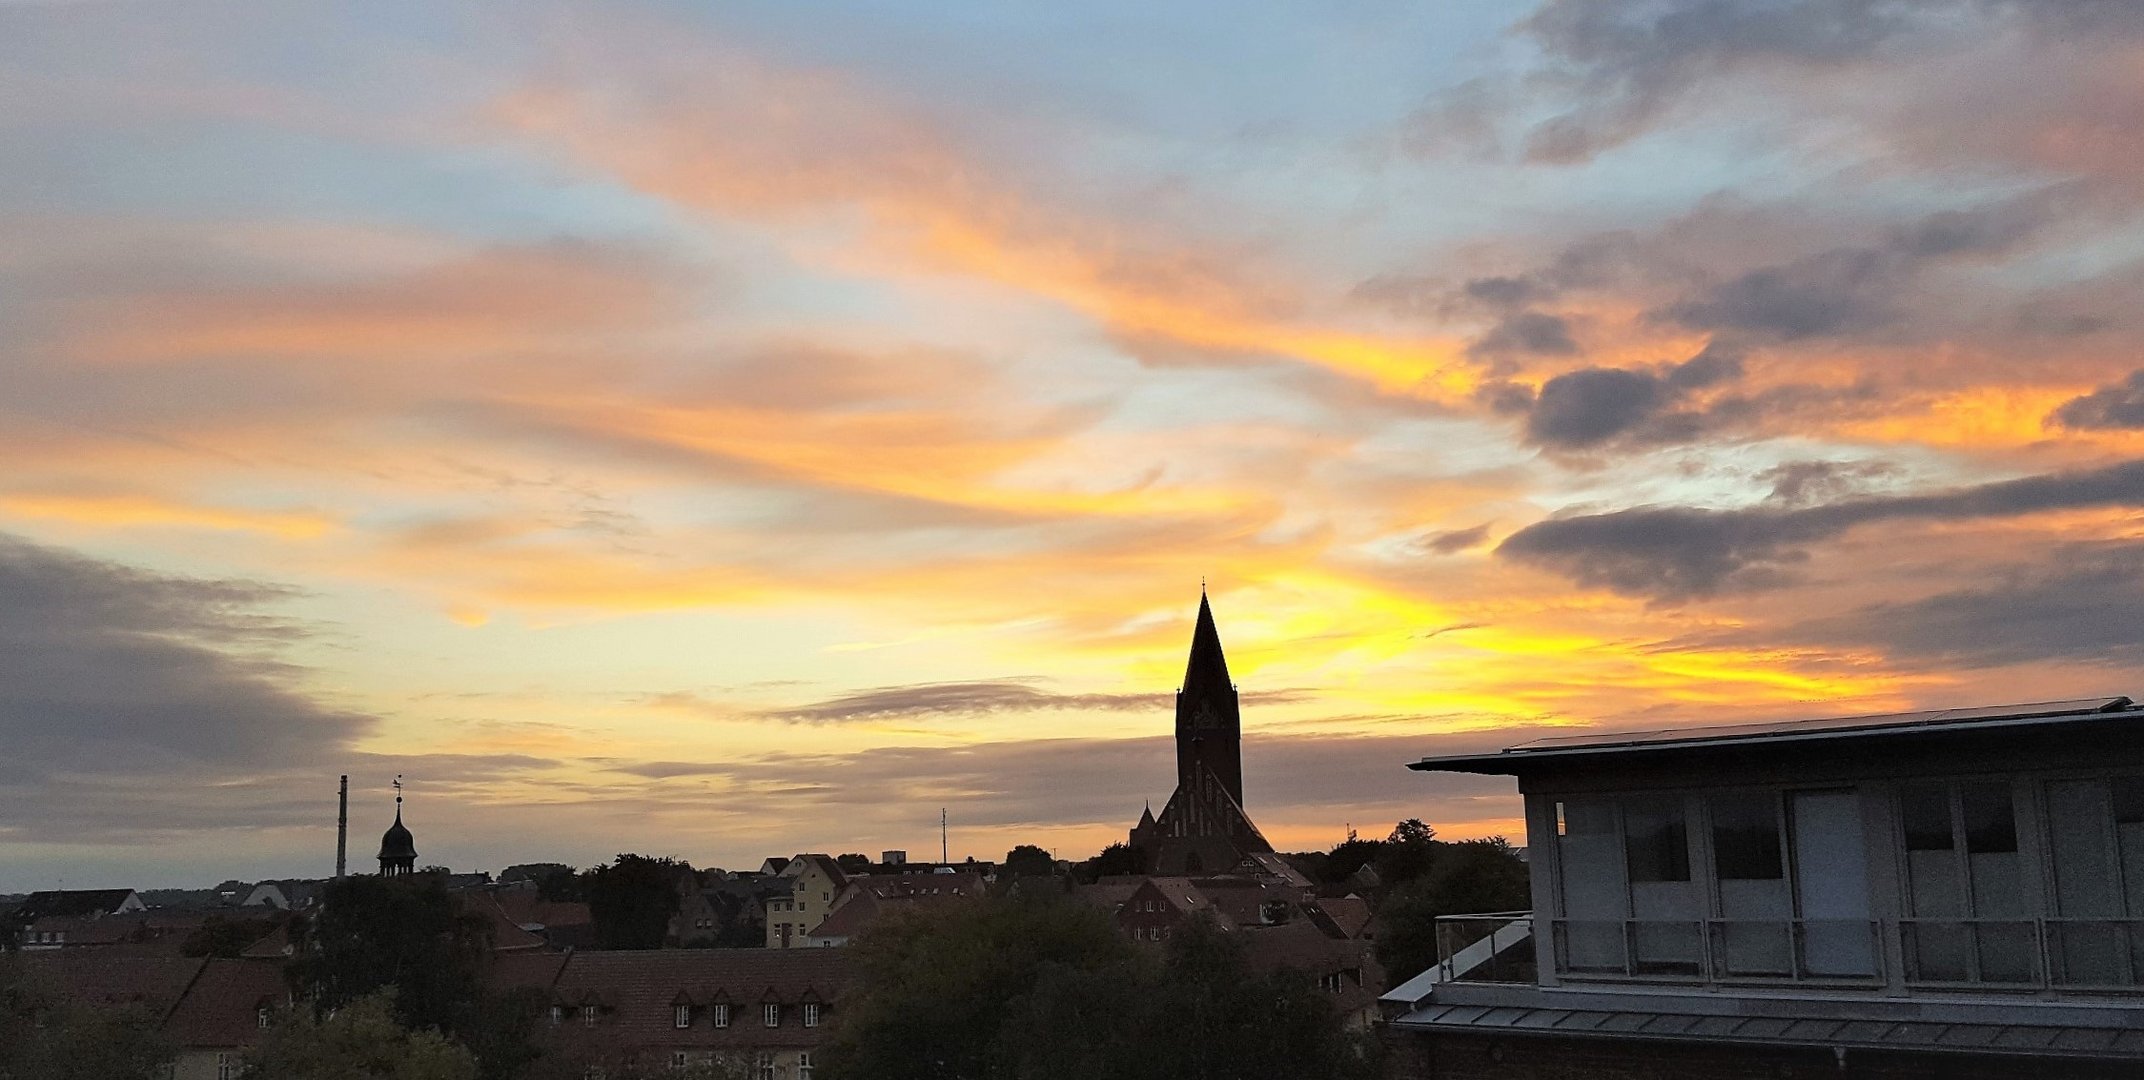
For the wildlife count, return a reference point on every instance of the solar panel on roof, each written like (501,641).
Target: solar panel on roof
(2073,707)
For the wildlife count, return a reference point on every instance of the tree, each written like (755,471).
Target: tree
(46,1036)
(1469,877)
(631,900)
(1347,857)
(853,863)
(1044,988)
(360,1041)
(1027,860)
(937,986)
(1407,853)
(1115,860)
(404,932)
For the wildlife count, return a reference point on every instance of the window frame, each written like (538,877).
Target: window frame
(770,1014)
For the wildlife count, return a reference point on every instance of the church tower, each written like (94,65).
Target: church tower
(1202,828)
(398,849)
(1209,721)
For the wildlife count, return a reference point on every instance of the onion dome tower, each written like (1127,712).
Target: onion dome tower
(398,849)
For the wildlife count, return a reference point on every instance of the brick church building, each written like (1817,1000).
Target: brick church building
(1203,828)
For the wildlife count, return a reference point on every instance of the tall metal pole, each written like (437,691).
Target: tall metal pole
(342,829)
(943,857)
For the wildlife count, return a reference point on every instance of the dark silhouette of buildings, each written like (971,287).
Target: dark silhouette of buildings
(1203,828)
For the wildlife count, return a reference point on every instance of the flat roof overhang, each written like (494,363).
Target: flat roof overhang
(2037,723)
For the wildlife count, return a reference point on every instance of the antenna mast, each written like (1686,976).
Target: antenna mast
(943,855)
(342,828)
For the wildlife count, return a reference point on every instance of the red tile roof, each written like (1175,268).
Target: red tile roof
(223,1006)
(96,977)
(637,993)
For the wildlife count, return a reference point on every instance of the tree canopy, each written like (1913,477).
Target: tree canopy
(360,1041)
(405,932)
(1041,987)
(631,900)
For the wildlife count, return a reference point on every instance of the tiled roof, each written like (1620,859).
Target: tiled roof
(222,1008)
(1110,893)
(851,917)
(97,977)
(72,902)
(524,970)
(637,993)
(1350,915)
(506,934)
(525,906)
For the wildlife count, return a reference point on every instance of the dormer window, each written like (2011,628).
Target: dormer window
(772,1012)
(588,1016)
(681,1016)
(722,1014)
(261,1017)
(811,1014)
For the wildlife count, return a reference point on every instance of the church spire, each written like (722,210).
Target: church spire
(1209,723)
(1207,669)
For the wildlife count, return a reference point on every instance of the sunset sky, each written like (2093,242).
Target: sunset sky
(737,429)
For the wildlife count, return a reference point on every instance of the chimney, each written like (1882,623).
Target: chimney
(342,828)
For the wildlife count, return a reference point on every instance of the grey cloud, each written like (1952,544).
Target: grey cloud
(976,699)
(1591,407)
(107,669)
(2116,407)
(1454,541)
(1530,332)
(1846,289)
(1799,483)
(1628,60)
(1087,781)
(1672,554)
(2080,608)
(1827,293)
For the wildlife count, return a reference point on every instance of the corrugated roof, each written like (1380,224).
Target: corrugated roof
(1660,739)
(1846,1030)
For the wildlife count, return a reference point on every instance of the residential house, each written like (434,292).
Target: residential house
(863,900)
(767,1009)
(812,881)
(226,1011)
(1956,893)
(44,920)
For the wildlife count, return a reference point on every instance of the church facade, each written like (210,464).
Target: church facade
(1203,828)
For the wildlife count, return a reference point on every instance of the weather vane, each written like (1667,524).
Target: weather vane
(398,789)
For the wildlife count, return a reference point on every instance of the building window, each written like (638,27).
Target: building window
(2096,830)
(1966,884)
(226,1066)
(681,1016)
(558,1015)
(803,1065)
(773,1014)
(811,1014)
(261,1017)
(766,1067)
(588,1016)
(677,1061)
(722,1014)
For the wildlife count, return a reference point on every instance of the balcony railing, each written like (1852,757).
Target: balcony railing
(2007,954)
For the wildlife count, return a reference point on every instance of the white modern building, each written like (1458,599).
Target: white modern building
(1856,893)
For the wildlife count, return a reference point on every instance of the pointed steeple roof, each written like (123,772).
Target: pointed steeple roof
(1207,669)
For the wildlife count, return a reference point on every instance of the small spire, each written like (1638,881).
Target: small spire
(398,796)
